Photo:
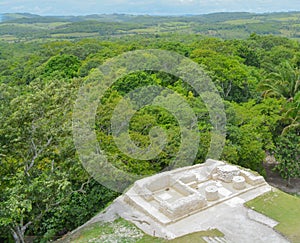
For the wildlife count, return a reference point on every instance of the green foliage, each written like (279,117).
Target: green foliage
(44,189)
(283,83)
(250,129)
(65,66)
(234,80)
(75,210)
(287,152)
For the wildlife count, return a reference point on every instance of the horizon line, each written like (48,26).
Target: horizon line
(152,14)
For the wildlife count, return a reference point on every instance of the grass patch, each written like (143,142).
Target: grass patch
(117,231)
(8,38)
(243,21)
(75,35)
(122,231)
(283,208)
(291,18)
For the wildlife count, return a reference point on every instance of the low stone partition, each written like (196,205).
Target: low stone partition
(182,188)
(161,182)
(143,191)
(158,182)
(251,178)
(188,178)
(182,206)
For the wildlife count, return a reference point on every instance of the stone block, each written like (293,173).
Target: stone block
(211,193)
(239,182)
(227,172)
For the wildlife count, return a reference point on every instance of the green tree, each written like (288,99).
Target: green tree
(235,80)
(250,129)
(26,200)
(288,154)
(291,117)
(36,141)
(65,65)
(283,83)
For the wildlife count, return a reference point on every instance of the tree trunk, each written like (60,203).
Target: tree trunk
(288,182)
(18,232)
(15,235)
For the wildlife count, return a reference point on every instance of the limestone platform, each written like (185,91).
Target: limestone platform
(171,196)
(198,198)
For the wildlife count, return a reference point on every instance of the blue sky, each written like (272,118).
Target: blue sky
(157,7)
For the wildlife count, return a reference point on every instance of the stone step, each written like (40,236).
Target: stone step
(209,239)
(214,239)
(221,239)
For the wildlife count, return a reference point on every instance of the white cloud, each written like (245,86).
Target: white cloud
(18,8)
(187,1)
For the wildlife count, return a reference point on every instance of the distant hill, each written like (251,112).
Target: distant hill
(26,26)
(15,16)
(205,18)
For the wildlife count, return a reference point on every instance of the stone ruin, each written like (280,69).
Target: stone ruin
(171,196)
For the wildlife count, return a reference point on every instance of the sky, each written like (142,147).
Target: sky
(153,7)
